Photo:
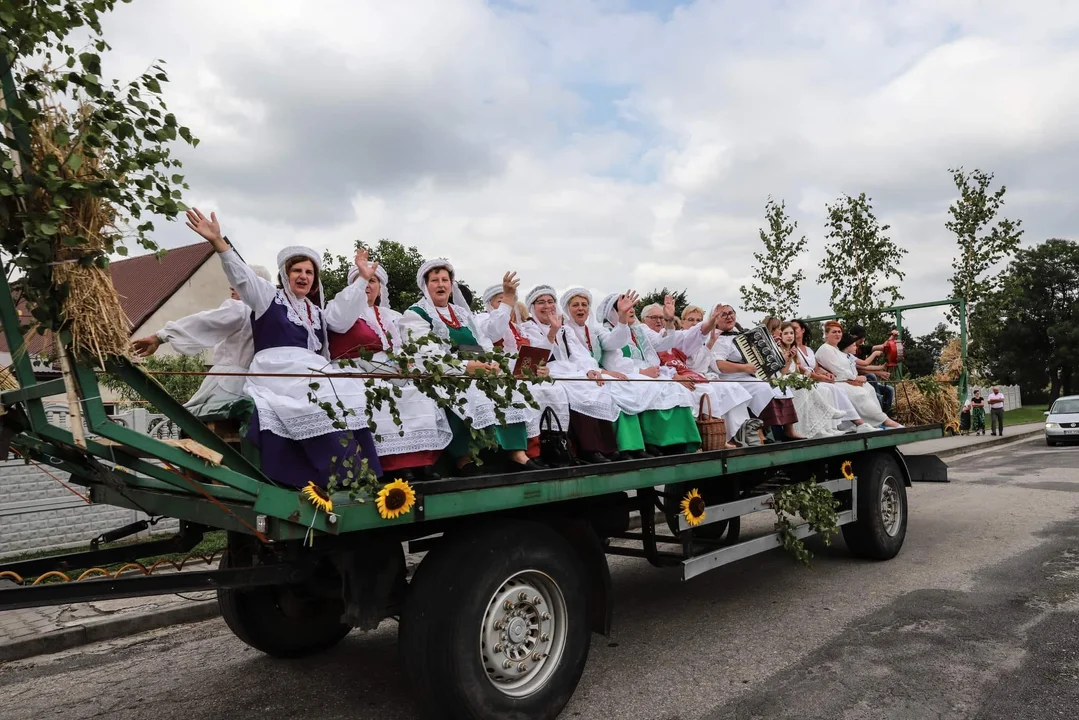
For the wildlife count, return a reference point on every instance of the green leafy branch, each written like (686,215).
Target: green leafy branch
(812,503)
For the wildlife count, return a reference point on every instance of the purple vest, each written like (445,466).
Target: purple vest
(273,328)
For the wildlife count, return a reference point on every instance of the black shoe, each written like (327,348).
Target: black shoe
(592,458)
(405,474)
(638,454)
(617,457)
(469,470)
(427,473)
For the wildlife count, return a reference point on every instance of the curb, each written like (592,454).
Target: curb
(999,440)
(110,629)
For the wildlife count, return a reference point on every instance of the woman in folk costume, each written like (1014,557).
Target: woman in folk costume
(503,327)
(844,367)
(816,416)
(226,329)
(593,409)
(411,449)
(825,380)
(729,401)
(663,410)
(296,436)
(443,314)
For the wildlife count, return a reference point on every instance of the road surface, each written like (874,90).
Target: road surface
(977,618)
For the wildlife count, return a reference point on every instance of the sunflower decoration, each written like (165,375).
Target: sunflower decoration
(318,497)
(395,499)
(847,469)
(693,507)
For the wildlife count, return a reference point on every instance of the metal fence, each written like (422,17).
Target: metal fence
(41,510)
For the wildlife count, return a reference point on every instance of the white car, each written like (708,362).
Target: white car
(1062,421)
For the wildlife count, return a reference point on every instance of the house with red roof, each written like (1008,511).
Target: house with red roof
(152,291)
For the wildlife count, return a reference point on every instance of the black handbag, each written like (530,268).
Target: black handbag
(554,444)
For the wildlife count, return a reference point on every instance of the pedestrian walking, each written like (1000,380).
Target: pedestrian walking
(996,411)
(977,413)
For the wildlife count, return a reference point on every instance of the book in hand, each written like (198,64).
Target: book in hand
(529,359)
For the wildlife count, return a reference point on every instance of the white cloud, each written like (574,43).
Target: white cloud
(592,143)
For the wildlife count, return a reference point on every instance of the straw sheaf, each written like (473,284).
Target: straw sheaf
(925,402)
(91,310)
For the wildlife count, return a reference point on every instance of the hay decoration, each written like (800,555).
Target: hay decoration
(951,362)
(85,233)
(925,401)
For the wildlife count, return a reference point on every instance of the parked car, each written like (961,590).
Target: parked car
(1062,421)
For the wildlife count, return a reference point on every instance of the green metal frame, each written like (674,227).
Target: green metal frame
(897,310)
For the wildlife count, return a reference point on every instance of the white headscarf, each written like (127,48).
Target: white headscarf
(572,293)
(535,294)
(607,312)
(383,281)
(489,294)
(460,307)
(382,329)
(316,329)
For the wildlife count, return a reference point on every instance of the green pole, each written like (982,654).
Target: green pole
(963,377)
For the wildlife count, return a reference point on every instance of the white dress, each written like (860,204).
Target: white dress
(844,367)
(478,407)
(836,398)
(423,425)
(226,329)
(729,401)
(816,417)
(284,406)
(733,405)
(571,359)
(637,397)
(497,326)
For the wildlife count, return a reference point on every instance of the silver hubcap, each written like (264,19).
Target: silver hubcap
(891,506)
(524,633)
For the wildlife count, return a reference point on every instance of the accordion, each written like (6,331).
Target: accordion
(759,348)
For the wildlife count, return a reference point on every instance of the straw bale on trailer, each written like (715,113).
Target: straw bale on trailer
(925,402)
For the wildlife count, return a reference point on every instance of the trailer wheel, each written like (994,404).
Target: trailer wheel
(496,624)
(881,527)
(283,621)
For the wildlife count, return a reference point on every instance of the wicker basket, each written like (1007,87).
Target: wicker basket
(713,430)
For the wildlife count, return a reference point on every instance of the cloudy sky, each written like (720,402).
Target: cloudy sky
(612,143)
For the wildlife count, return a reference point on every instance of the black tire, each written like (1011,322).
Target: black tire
(1050,443)
(283,621)
(878,534)
(453,669)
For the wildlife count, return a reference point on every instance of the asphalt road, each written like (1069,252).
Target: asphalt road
(977,618)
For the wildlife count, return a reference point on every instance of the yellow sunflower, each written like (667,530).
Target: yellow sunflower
(847,469)
(395,499)
(693,507)
(318,497)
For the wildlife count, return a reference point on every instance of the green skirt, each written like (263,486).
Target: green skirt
(509,437)
(671,428)
(627,432)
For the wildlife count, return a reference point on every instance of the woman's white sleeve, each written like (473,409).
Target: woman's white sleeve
(347,307)
(192,334)
(413,328)
(827,358)
(617,338)
(256,292)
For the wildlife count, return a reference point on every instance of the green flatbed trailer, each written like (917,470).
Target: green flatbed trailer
(496,619)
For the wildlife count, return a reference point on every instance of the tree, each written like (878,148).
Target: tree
(401,264)
(681,300)
(982,244)
(859,263)
(180,387)
(86,162)
(922,354)
(776,289)
(1027,330)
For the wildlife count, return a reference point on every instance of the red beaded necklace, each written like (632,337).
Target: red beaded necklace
(453,322)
